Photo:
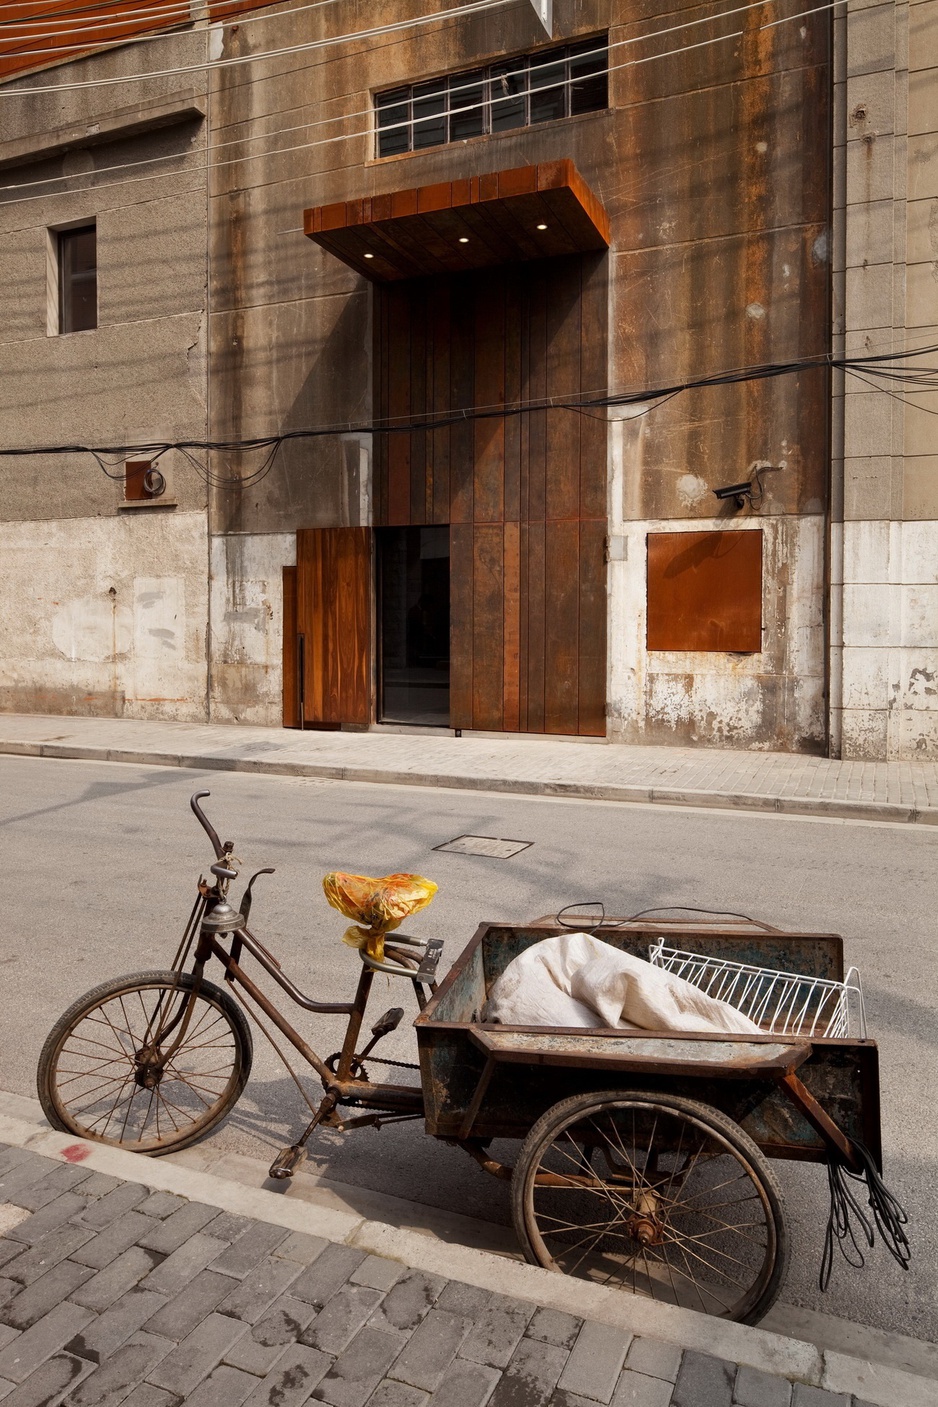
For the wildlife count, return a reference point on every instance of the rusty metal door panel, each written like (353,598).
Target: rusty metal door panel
(334,616)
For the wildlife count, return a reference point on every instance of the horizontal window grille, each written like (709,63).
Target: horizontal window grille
(520,92)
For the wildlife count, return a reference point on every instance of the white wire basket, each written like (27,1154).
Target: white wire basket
(780,1002)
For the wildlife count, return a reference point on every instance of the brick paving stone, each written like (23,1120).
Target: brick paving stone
(356,1372)
(554,1327)
(161,1205)
(105,1334)
(466,1384)
(301,1247)
(23,1173)
(225,1387)
(378,1273)
(183,1264)
(595,1361)
(496,1331)
(8,1289)
(409,1301)
(113,1240)
(327,1273)
(469,1300)
(251,1248)
(755,1389)
(50,1333)
(392,1394)
(7,1335)
(64,1177)
(340,1319)
(194,1358)
(172,1233)
(116,1279)
(99,1185)
(569,1399)
(109,1384)
(38,1298)
(432,1347)
(145,1395)
(50,1381)
(176,1317)
(124,1197)
(292,1379)
(531,1376)
(9,1249)
(228,1227)
(40,1259)
(52,1216)
(251,1296)
(640,1390)
(654,1358)
(258,1350)
(804,1396)
(703,1381)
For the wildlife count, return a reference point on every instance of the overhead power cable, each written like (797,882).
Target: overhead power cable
(880,365)
(452,111)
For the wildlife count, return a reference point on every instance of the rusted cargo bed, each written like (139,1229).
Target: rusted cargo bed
(484,1080)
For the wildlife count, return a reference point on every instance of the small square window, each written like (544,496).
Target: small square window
(78,279)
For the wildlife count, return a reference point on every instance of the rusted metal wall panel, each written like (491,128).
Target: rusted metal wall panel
(705,591)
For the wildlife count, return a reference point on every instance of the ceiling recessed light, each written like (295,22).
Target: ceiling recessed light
(369,256)
(463,239)
(542,227)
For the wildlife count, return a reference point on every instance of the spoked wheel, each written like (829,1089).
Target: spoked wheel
(146,1062)
(655,1194)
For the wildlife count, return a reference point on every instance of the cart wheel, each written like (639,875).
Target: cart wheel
(659,1195)
(103,1076)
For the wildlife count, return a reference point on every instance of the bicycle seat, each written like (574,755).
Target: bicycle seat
(377,905)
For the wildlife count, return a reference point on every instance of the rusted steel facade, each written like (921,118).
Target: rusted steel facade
(710,173)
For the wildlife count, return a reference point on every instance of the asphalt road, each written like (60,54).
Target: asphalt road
(99,863)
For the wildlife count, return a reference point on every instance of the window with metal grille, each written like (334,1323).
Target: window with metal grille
(78,279)
(519,92)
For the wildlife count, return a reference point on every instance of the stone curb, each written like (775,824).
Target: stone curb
(753,1347)
(831,808)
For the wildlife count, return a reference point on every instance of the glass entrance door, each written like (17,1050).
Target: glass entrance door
(413,623)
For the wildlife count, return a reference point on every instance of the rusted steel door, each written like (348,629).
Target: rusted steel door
(334,618)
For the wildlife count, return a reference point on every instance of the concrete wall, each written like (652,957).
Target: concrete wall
(884,631)
(103,607)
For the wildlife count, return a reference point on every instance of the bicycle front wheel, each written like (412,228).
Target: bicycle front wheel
(146,1062)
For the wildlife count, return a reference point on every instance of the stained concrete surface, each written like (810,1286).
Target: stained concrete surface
(99,867)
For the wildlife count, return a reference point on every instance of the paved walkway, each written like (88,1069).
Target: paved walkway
(114,1293)
(762,781)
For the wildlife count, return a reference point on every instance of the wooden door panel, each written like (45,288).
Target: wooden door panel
(334,615)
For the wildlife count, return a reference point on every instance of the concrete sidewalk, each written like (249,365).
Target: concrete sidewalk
(131,1280)
(759,781)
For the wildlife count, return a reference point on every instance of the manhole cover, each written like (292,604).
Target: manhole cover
(488,845)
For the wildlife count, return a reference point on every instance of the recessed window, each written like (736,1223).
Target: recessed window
(78,279)
(520,92)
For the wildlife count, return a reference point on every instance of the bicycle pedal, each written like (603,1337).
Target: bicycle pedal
(286,1163)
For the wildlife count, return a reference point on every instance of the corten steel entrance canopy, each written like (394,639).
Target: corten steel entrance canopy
(532,212)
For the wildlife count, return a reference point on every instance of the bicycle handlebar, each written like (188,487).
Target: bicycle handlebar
(205,823)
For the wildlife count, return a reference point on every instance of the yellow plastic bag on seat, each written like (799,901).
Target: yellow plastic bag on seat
(377,905)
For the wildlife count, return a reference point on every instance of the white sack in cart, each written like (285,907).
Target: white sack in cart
(577,980)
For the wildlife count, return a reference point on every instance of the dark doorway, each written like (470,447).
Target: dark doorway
(413,614)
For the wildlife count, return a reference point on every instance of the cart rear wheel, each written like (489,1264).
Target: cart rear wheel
(145,1062)
(652,1193)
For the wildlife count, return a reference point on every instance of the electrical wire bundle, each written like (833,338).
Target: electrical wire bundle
(848,1223)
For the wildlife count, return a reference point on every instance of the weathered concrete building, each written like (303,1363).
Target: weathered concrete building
(444,248)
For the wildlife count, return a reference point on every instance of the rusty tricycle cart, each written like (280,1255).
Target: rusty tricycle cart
(640,1158)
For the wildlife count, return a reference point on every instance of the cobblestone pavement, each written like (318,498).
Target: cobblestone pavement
(678,775)
(111,1293)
